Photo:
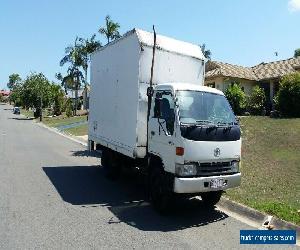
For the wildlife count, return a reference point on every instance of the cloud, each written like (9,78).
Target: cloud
(294,5)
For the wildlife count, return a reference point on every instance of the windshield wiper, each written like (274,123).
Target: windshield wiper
(197,123)
(204,121)
(224,124)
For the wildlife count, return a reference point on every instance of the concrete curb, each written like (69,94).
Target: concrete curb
(257,217)
(61,133)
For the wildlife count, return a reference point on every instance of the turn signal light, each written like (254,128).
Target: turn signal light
(179,151)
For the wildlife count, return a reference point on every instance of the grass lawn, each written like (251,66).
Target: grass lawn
(78,131)
(270,167)
(62,120)
(27,113)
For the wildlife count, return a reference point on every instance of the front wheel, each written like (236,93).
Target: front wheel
(211,198)
(160,196)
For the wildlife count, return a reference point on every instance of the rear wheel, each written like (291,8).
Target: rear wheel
(160,195)
(211,198)
(110,163)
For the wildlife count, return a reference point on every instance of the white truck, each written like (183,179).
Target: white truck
(149,110)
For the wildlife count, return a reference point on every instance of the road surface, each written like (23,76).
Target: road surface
(53,195)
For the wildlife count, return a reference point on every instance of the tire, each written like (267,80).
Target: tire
(160,196)
(211,198)
(110,163)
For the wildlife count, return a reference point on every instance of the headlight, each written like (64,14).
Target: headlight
(235,166)
(186,169)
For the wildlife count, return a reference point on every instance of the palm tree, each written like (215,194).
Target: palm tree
(206,52)
(111,29)
(87,47)
(74,76)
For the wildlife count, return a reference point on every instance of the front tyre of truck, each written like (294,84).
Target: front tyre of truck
(210,199)
(160,195)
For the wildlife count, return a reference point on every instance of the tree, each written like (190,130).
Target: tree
(74,76)
(110,30)
(13,80)
(236,97)
(206,52)
(56,98)
(15,95)
(87,47)
(256,101)
(297,52)
(288,96)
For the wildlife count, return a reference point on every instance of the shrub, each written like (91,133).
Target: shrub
(288,95)
(256,101)
(69,108)
(236,98)
(58,104)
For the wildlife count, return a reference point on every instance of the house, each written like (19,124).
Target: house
(267,75)
(81,96)
(4,93)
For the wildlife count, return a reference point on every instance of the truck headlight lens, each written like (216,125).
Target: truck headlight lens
(186,169)
(235,166)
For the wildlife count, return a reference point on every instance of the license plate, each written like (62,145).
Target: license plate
(217,183)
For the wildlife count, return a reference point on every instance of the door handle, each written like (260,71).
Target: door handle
(152,133)
(171,143)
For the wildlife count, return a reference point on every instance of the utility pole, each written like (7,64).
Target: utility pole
(41,108)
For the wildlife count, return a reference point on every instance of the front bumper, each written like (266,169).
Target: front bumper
(201,184)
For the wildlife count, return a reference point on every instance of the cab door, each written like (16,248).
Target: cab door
(162,128)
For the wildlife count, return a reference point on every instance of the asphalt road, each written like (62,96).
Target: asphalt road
(53,195)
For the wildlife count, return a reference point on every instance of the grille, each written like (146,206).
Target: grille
(211,168)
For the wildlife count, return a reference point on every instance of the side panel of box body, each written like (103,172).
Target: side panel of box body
(170,67)
(114,97)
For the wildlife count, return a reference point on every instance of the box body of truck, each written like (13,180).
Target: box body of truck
(120,76)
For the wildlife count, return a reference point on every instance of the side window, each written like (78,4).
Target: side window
(164,105)
(164,109)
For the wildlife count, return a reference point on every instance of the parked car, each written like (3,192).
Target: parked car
(16,110)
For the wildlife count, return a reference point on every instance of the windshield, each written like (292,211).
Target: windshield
(204,107)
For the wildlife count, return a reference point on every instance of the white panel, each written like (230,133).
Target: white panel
(170,67)
(170,44)
(114,94)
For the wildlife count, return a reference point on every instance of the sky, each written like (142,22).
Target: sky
(34,33)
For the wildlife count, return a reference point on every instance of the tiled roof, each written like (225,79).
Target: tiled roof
(276,69)
(214,69)
(262,71)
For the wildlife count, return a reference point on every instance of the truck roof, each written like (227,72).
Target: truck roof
(162,43)
(188,86)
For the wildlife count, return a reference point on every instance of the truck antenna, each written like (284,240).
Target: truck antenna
(150,88)
(153,55)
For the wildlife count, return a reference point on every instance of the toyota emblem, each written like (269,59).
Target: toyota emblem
(217,152)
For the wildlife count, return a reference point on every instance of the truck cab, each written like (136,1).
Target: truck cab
(195,134)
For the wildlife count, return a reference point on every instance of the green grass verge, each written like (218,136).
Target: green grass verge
(78,131)
(62,120)
(270,167)
(27,113)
